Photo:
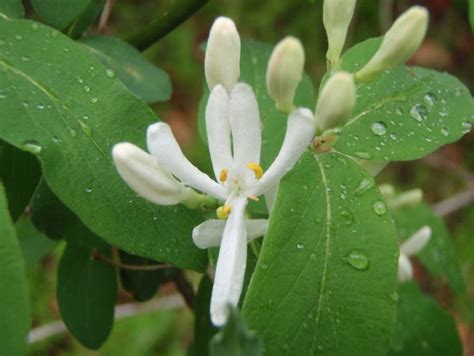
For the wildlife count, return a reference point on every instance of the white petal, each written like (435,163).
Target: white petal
(299,133)
(245,125)
(209,233)
(405,270)
(218,129)
(416,242)
(230,269)
(222,62)
(144,175)
(162,144)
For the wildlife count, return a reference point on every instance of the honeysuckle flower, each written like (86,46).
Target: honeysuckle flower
(410,247)
(400,42)
(222,61)
(284,72)
(337,15)
(336,101)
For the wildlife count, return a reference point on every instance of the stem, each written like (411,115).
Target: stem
(454,203)
(119,264)
(178,12)
(104,17)
(186,289)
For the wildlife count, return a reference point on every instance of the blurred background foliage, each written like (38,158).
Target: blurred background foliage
(449,47)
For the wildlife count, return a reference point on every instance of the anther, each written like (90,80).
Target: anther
(223,175)
(223,212)
(257,169)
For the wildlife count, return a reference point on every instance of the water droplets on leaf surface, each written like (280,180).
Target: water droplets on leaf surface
(379,128)
(32,146)
(347,218)
(430,99)
(364,185)
(380,208)
(419,112)
(363,154)
(110,73)
(357,259)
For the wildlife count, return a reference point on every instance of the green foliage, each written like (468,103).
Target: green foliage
(64,107)
(423,327)
(15,319)
(60,14)
(471,13)
(235,340)
(404,114)
(148,82)
(326,276)
(203,328)
(86,19)
(439,255)
(12,8)
(20,173)
(86,292)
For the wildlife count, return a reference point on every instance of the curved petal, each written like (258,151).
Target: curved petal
(416,242)
(299,133)
(230,269)
(405,270)
(143,174)
(218,130)
(162,144)
(244,121)
(209,233)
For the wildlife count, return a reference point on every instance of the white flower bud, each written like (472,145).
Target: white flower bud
(408,198)
(337,15)
(336,101)
(284,72)
(400,43)
(416,242)
(405,270)
(222,62)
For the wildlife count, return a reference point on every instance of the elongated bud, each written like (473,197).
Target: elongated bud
(416,242)
(284,72)
(405,269)
(222,62)
(400,42)
(337,15)
(336,101)
(408,198)
(147,178)
(387,190)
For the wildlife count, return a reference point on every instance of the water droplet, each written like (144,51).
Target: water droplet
(364,185)
(457,92)
(430,99)
(85,117)
(73,132)
(32,146)
(34,26)
(88,190)
(419,112)
(25,58)
(300,246)
(56,139)
(3,95)
(399,111)
(358,259)
(66,49)
(18,37)
(379,128)
(444,131)
(25,104)
(363,154)
(379,208)
(94,100)
(347,218)
(394,296)
(54,33)
(87,89)
(40,106)
(110,73)
(466,126)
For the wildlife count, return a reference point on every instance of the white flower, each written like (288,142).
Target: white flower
(410,247)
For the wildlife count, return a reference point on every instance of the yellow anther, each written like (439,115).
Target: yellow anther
(223,212)
(223,175)
(257,169)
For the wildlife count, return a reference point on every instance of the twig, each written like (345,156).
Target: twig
(454,203)
(178,12)
(127,266)
(54,328)
(185,288)
(104,17)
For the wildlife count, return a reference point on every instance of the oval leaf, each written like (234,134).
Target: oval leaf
(327,268)
(60,14)
(86,292)
(61,104)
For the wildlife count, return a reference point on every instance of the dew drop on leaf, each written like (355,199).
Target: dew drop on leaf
(3,95)
(94,100)
(357,259)
(379,128)
(40,106)
(88,190)
(419,112)
(110,73)
(379,208)
(347,218)
(430,99)
(466,126)
(73,132)
(300,246)
(32,146)
(363,154)
(364,185)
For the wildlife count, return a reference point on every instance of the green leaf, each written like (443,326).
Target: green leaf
(89,15)
(253,67)
(405,114)
(15,319)
(326,276)
(20,173)
(145,80)
(439,255)
(86,292)
(12,8)
(34,245)
(471,14)
(235,340)
(423,327)
(143,284)
(60,14)
(203,327)
(62,106)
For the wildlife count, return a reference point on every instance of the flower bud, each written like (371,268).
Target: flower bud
(336,101)
(416,242)
(284,72)
(337,15)
(406,199)
(222,62)
(400,42)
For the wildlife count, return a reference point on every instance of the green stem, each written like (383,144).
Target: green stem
(178,12)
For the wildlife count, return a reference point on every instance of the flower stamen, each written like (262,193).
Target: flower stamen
(223,175)
(256,168)
(223,212)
